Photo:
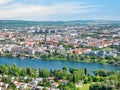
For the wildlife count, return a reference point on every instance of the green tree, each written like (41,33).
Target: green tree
(85,71)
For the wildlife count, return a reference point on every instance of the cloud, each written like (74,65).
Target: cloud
(43,12)
(2,2)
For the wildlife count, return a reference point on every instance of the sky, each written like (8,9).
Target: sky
(59,10)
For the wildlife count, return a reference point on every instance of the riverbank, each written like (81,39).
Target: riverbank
(103,62)
(76,58)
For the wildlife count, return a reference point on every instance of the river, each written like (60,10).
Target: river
(55,64)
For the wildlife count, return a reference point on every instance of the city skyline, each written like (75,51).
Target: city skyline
(59,10)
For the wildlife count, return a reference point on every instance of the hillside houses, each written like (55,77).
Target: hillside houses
(101,53)
(98,43)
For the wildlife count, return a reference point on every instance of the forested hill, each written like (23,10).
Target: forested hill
(19,23)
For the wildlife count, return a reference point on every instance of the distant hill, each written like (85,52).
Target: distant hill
(19,23)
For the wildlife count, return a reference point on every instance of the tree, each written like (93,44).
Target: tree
(85,71)
(29,71)
(23,72)
(68,86)
(11,87)
(78,74)
(64,68)
(103,73)
(44,73)
(44,88)
(106,85)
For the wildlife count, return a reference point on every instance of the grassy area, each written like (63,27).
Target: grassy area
(84,87)
(106,49)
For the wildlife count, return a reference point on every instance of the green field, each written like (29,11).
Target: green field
(84,87)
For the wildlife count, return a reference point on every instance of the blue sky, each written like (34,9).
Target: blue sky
(63,10)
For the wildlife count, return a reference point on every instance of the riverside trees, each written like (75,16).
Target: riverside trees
(111,80)
(73,76)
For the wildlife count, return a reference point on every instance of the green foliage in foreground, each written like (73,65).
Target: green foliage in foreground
(106,85)
(104,73)
(74,76)
(111,80)
(102,79)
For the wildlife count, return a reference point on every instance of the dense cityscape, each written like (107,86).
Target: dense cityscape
(88,43)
